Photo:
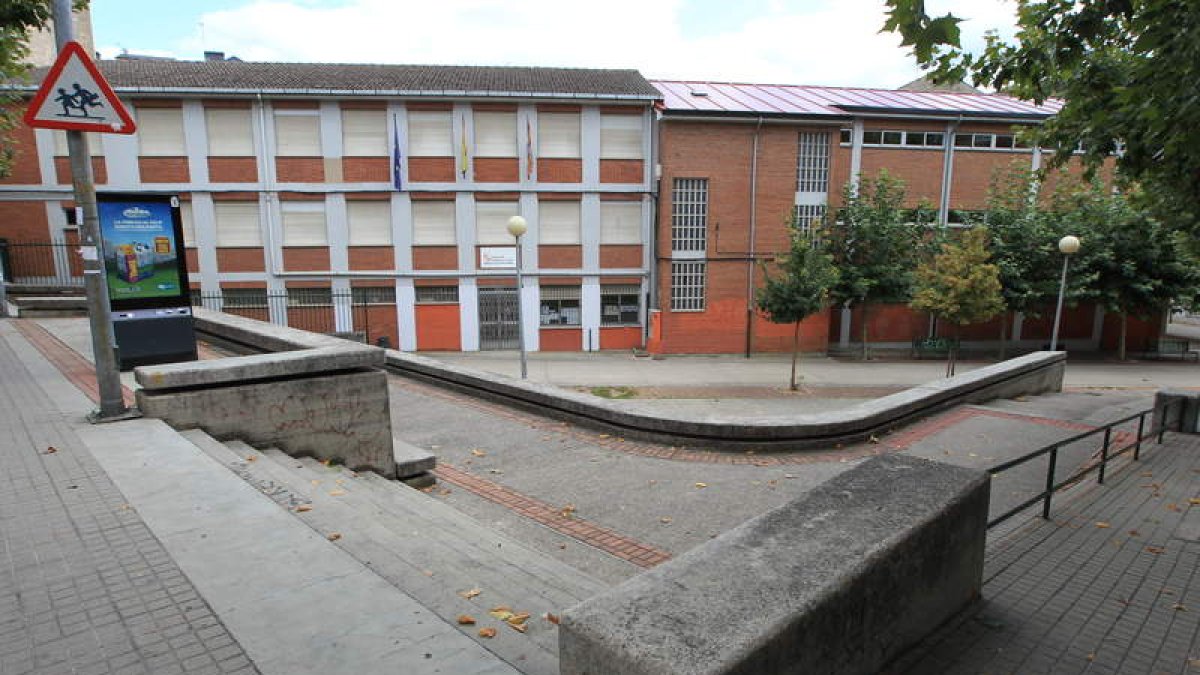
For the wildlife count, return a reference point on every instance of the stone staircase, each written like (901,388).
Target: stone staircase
(445,560)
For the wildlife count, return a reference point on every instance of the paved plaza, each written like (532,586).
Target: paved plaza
(107,575)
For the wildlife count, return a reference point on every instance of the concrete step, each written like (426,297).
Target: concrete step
(412,461)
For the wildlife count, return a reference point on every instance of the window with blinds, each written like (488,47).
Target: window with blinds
(95,143)
(429,133)
(364,133)
(495,134)
(558,223)
(491,223)
(230,133)
(189,225)
(433,223)
(687,286)
(689,215)
(620,137)
(160,132)
(237,224)
(558,135)
(297,133)
(620,304)
(560,306)
(812,171)
(304,224)
(369,223)
(620,222)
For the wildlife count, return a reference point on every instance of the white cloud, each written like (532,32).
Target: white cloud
(795,41)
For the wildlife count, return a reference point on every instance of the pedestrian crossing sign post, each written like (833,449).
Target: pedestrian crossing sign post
(76,97)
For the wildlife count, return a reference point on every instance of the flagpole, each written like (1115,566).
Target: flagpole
(104,345)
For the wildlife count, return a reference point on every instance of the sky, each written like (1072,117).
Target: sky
(816,42)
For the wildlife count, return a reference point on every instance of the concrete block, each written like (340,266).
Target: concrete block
(343,417)
(841,580)
(259,367)
(1179,410)
(411,460)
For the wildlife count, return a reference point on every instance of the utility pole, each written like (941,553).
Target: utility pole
(104,345)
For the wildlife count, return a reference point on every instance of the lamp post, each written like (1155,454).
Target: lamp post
(1068,245)
(517,227)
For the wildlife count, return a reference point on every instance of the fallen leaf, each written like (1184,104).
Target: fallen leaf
(518,619)
(303,507)
(552,618)
(427,573)
(519,627)
(502,613)
(1146,474)
(1194,501)
(487,633)
(444,491)
(603,436)
(1103,525)
(336,493)
(665,519)
(339,481)
(1173,507)
(701,486)
(478,453)
(427,490)
(466,620)
(470,594)
(251,458)
(315,481)
(1155,549)
(50,450)
(495,471)
(325,462)
(1091,657)
(1134,533)
(333,536)
(567,511)
(1178,607)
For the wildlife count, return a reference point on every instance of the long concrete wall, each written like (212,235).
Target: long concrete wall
(1031,374)
(840,580)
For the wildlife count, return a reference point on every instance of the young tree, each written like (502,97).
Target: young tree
(1125,71)
(801,288)
(959,286)
(875,245)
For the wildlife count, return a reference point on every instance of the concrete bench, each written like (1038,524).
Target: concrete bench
(840,580)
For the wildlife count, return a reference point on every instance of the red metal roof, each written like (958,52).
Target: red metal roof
(776,99)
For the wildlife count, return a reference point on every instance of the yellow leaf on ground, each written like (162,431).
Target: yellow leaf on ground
(1178,607)
(552,618)
(502,613)
(1194,501)
(333,536)
(466,620)
(567,511)
(519,627)
(336,493)
(603,435)
(665,519)
(487,633)
(1155,549)
(251,458)
(478,453)
(518,618)
(1103,525)
(470,594)
(303,507)
(701,486)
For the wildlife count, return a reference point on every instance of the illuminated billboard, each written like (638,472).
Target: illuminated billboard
(142,239)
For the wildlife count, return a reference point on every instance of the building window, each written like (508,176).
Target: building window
(364,133)
(429,133)
(620,136)
(495,134)
(687,286)
(558,135)
(243,298)
(920,139)
(989,141)
(369,223)
(620,305)
(689,214)
(189,225)
(437,295)
(560,306)
(928,139)
(160,132)
(812,173)
(95,143)
(309,297)
(237,224)
(809,218)
(558,223)
(297,133)
(620,222)
(846,136)
(304,224)
(433,223)
(491,223)
(373,295)
(230,133)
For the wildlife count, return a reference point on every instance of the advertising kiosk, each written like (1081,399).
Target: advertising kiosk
(146,273)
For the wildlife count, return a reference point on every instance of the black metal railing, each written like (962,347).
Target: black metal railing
(311,309)
(1107,453)
(41,263)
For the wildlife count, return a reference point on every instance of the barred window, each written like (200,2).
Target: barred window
(812,172)
(687,286)
(309,297)
(620,304)
(689,214)
(560,306)
(373,295)
(437,295)
(242,298)
(809,218)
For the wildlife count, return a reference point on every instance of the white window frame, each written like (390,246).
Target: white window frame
(245,215)
(621,136)
(430,133)
(689,216)
(303,127)
(433,223)
(491,223)
(559,223)
(303,223)
(160,132)
(364,133)
(614,227)
(687,295)
(230,132)
(558,135)
(495,134)
(368,223)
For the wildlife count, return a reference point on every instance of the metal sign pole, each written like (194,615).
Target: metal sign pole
(108,377)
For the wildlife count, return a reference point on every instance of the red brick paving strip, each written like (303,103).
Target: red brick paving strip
(581,530)
(80,371)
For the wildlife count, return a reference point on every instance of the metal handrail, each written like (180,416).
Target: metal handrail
(1107,453)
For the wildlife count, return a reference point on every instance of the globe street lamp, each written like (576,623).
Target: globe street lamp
(1068,245)
(517,227)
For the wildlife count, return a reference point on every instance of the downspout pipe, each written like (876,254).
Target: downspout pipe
(752,258)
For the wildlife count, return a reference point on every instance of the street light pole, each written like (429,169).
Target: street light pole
(1068,245)
(517,227)
(104,345)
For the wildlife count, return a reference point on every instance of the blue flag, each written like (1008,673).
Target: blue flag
(396,183)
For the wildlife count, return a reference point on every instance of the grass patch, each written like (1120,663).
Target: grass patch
(614,392)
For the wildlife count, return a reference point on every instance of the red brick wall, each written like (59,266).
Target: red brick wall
(621,170)
(435,257)
(163,169)
(431,169)
(620,337)
(438,328)
(24,221)
(371,257)
(497,169)
(973,172)
(366,169)
(240,260)
(193,261)
(554,170)
(886,323)
(300,169)
(1139,333)
(62,170)
(921,171)
(560,257)
(232,169)
(305,258)
(25,169)
(774,337)
(560,339)
(620,256)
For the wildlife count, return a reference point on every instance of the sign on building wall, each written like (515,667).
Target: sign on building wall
(498,257)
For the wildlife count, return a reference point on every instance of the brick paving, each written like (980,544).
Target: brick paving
(1109,585)
(85,587)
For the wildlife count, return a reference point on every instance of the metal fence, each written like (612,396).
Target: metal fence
(43,263)
(319,310)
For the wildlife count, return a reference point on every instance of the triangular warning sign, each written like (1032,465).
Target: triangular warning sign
(76,96)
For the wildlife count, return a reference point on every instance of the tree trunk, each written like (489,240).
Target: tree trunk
(795,354)
(1121,340)
(866,353)
(953,357)
(1004,319)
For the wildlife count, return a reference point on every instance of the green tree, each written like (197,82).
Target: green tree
(875,245)
(801,287)
(1126,70)
(959,286)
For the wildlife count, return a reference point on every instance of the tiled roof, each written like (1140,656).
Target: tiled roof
(718,98)
(169,76)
